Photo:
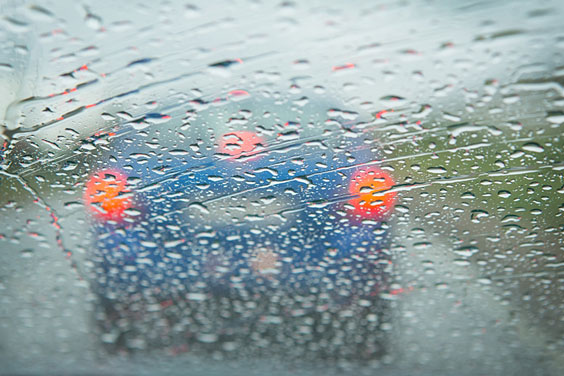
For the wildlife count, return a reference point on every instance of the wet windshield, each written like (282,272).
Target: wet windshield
(283,187)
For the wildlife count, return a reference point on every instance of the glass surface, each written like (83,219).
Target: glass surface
(251,187)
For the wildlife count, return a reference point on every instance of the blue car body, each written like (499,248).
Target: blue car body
(275,216)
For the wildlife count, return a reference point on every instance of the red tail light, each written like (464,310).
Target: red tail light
(366,184)
(106,195)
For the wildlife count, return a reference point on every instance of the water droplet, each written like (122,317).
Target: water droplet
(533,147)
(504,194)
(437,170)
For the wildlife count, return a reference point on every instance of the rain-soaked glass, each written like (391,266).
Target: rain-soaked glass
(278,187)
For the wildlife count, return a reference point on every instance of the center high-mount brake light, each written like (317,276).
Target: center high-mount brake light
(240,144)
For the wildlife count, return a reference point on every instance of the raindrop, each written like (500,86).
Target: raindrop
(504,194)
(533,147)
(437,170)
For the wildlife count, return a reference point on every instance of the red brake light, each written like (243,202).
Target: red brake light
(104,195)
(365,184)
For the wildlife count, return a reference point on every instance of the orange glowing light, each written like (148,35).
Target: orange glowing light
(105,195)
(368,204)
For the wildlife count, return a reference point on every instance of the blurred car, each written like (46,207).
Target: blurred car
(249,198)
